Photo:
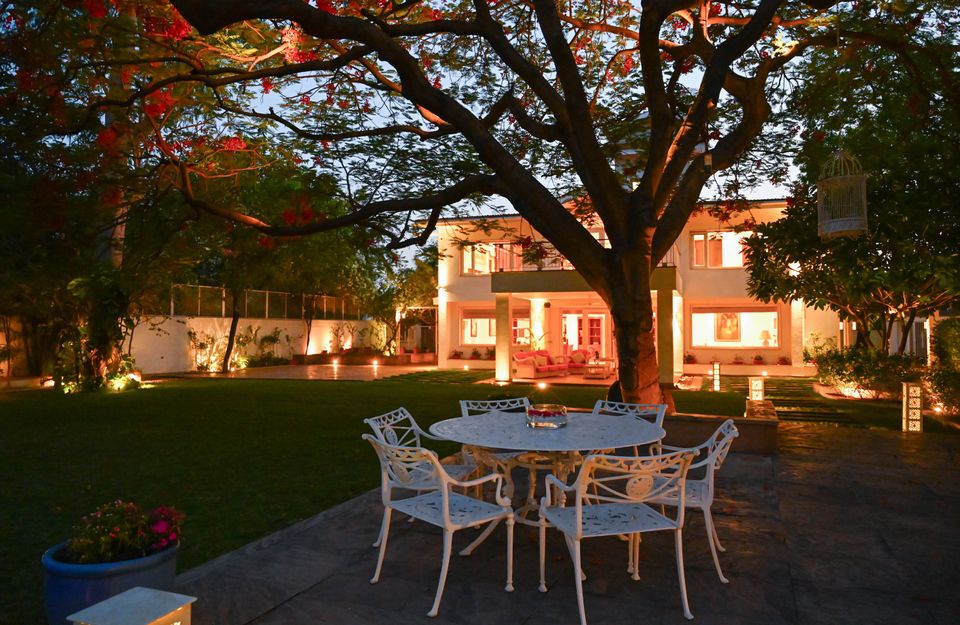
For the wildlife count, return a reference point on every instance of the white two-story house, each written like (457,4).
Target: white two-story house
(494,300)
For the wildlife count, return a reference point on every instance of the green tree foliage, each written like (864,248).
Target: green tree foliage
(406,294)
(944,374)
(240,258)
(901,118)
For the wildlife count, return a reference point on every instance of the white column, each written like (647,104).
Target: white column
(664,331)
(798,331)
(443,328)
(504,316)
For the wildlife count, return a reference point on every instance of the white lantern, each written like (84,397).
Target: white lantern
(912,407)
(842,197)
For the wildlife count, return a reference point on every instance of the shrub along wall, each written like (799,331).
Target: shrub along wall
(865,372)
(944,374)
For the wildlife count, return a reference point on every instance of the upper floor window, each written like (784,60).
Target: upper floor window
(477,259)
(720,249)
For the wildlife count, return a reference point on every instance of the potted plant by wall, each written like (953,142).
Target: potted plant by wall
(475,354)
(737,360)
(689,359)
(758,359)
(115,548)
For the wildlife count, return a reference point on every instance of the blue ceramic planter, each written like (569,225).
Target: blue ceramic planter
(68,588)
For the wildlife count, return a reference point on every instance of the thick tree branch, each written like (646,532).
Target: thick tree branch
(588,158)
(461,190)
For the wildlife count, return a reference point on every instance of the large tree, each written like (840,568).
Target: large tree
(420,106)
(903,123)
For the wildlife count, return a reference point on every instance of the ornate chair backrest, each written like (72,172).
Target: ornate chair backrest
(652,413)
(470,407)
(627,479)
(714,451)
(413,468)
(396,427)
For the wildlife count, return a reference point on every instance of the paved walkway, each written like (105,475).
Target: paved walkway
(370,372)
(845,526)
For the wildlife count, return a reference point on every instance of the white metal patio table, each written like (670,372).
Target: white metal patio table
(584,431)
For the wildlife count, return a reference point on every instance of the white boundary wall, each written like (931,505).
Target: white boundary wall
(161,344)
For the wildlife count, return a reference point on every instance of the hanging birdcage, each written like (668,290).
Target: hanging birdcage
(842,197)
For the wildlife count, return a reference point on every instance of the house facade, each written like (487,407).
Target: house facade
(495,298)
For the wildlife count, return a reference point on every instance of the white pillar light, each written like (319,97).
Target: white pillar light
(716,375)
(756,388)
(912,407)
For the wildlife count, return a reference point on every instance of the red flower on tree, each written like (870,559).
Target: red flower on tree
(158,103)
(96,9)
(326,6)
(107,139)
(266,243)
(234,144)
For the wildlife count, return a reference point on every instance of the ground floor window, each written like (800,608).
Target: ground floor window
(479,327)
(735,327)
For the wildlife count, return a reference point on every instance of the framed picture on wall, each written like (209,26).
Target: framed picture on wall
(727,326)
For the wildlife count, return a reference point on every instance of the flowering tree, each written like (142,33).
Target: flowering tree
(418,107)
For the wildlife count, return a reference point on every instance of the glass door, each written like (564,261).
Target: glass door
(586,329)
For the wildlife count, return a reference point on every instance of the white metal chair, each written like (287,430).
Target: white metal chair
(399,428)
(505,461)
(699,490)
(613,496)
(652,413)
(418,469)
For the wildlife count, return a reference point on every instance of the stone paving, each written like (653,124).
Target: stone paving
(844,526)
(366,373)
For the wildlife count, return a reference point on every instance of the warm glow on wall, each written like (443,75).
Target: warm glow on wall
(537,323)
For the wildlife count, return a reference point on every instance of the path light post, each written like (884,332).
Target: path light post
(716,376)
(755,390)
(912,407)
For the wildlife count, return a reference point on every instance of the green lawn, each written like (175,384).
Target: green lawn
(242,458)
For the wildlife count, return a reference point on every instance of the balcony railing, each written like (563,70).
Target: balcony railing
(511,257)
(209,301)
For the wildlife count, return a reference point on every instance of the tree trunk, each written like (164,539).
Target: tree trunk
(231,337)
(633,331)
(906,328)
(306,341)
(637,363)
